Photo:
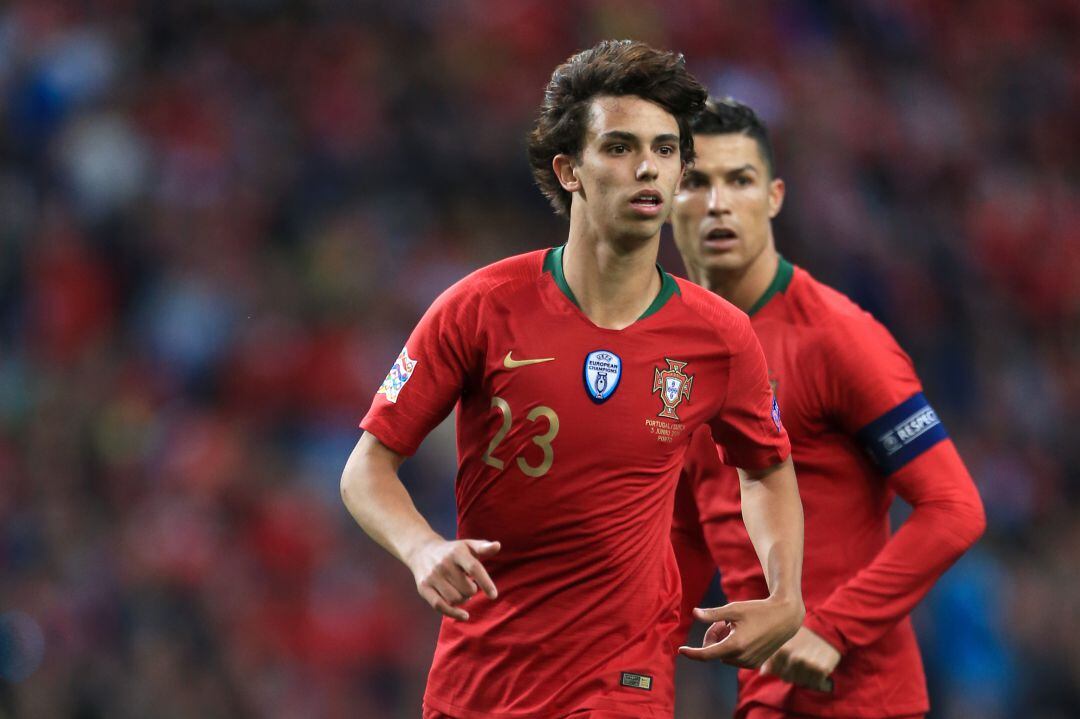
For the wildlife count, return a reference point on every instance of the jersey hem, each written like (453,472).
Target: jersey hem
(382,432)
(634,710)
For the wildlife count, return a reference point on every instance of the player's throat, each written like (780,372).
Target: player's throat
(612,290)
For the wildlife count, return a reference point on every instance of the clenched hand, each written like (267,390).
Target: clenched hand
(806,659)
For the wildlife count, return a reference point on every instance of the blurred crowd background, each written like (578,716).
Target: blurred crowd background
(219,220)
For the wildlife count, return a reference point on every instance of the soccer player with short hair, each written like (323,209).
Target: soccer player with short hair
(861,431)
(579,375)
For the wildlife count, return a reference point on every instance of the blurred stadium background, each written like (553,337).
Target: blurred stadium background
(220,219)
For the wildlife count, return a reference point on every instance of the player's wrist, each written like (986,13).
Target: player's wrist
(413,550)
(791,603)
(826,631)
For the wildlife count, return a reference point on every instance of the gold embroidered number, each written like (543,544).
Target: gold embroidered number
(543,441)
(504,409)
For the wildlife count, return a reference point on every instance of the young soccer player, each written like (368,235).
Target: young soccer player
(579,375)
(861,430)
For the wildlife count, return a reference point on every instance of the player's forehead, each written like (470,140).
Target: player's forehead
(720,154)
(630,115)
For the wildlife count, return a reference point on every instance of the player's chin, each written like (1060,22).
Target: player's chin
(726,259)
(643,229)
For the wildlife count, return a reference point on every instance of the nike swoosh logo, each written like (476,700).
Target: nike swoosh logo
(510,363)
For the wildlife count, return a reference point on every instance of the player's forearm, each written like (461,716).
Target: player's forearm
(772,512)
(379,502)
(947,518)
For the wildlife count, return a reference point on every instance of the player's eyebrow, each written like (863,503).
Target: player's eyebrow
(743,168)
(625,136)
(619,135)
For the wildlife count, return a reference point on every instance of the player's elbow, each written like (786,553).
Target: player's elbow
(348,484)
(976,519)
(966,522)
(370,462)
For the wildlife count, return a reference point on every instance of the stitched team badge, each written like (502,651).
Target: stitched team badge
(602,371)
(399,374)
(673,385)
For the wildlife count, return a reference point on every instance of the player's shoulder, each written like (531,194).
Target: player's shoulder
(811,301)
(712,311)
(497,279)
(840,323)
(710,307)
(516,270)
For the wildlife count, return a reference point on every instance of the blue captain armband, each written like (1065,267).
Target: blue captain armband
(902,434)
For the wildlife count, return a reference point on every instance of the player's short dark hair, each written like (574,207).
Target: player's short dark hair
(727,116)
(612,67)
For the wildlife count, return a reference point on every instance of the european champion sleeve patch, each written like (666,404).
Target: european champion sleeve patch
(399,374)
(903,433)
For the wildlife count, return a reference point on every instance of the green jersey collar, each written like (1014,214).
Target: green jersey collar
(780,282)
(553,263)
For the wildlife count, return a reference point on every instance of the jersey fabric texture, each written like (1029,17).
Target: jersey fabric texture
(575,474)
(861,431)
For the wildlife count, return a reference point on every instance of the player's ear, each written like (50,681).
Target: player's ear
(566,172)
(776,197)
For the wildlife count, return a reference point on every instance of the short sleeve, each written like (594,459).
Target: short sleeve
(748,428)
(429,375)
(872,392)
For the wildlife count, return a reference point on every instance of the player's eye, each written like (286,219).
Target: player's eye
(618,149)
(743,181)
(665,150)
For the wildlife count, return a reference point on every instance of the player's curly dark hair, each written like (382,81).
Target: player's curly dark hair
(612,67)
(728,116)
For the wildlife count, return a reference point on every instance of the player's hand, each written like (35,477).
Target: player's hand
(806,659)
(745,634)
(448,573)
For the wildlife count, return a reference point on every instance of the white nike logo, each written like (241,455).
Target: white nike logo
(510,363)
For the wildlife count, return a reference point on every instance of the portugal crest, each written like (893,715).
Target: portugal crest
(673,385)
(602,371)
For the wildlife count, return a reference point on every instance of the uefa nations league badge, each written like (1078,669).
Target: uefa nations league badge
(603,369)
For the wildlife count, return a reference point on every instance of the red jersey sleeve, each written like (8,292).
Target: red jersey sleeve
(425,381)
(870,387)
(748,429)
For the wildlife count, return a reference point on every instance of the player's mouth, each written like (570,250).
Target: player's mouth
(720,239)
(647,203)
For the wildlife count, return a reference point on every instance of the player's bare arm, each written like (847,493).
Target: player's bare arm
(447,573)
(747,633)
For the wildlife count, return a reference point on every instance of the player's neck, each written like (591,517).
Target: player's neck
(614,283)
(743,288)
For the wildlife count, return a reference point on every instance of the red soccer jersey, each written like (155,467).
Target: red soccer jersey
(570,439)
(860,430)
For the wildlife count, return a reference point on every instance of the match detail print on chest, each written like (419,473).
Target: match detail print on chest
(673,387)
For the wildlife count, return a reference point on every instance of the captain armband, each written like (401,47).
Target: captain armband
(902,434)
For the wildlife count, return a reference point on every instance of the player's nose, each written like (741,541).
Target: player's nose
(647,169)
(717,200)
